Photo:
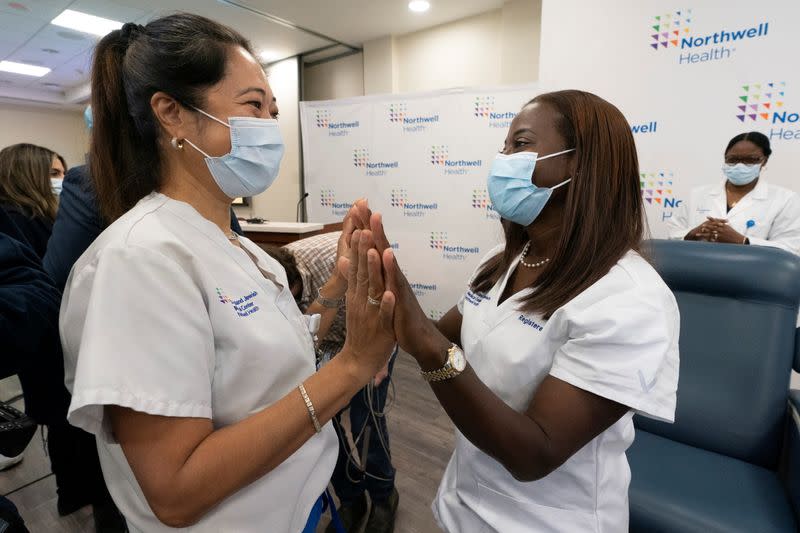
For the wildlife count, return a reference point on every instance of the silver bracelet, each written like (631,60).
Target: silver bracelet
(310,406)
(328,303)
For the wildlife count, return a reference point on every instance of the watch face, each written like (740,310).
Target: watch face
(458,360)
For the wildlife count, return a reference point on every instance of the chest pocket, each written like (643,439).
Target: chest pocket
(263,348)
(510,351)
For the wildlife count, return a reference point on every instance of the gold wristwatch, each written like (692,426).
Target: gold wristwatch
(455,364)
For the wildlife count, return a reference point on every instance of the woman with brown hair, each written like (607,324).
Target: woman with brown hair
(566,332)
(26,191)
(185,352)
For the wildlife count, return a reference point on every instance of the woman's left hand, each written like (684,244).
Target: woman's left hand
(720,231)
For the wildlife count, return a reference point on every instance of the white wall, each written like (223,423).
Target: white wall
(62,131)
(278,202)
(341,78)
(462,53)
(499,47)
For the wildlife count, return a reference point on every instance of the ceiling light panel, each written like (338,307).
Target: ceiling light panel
(24,69)
(86,23)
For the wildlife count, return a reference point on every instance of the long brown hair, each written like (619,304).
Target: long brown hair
(603,213)
(181,55)
(25,179)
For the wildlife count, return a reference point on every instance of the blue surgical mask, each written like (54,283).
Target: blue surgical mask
(511,187)
(57,184)
(741,174)
(254,160)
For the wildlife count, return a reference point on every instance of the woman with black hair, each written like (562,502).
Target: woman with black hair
(185,352)
(744,209)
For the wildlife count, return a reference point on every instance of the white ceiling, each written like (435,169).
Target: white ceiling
(27,36)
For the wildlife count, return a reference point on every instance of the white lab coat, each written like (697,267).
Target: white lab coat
(618,339)
(164,316)
(768,215)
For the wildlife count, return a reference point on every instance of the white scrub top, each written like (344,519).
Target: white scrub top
(768,215)
(163,315)
(617,339)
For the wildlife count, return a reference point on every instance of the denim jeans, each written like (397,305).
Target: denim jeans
(350,487)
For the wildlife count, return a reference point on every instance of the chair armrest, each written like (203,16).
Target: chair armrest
(790,464)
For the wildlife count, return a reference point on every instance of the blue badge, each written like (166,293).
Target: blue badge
(751,223)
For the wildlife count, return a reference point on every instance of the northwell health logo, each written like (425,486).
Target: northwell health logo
(439,241)
(484,108)
(324,120)
(422,289)
(762,101)
(482,202)
(327,198)
(669,27)
(412,123)
(361,159)
(413,209)
(657,191)
(440,156)
(765,103)
(672,30)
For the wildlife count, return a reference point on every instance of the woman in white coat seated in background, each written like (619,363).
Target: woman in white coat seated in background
(185,351)
(744,209)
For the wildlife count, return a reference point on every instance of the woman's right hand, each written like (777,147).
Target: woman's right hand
(700,233)
(370,336)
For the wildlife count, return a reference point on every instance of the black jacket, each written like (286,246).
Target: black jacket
(31,348)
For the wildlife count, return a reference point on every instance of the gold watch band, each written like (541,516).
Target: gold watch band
(444,373)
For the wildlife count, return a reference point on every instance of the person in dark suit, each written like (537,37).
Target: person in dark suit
(78,223)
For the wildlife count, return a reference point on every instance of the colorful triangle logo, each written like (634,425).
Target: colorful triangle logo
(743,98)
(765,116)
(740,117)
(742,108)
(752,117)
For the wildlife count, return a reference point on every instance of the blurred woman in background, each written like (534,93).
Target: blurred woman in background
(26,191)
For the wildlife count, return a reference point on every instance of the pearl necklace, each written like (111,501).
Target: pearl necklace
(531,265)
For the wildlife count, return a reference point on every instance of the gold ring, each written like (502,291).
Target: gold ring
(373,301)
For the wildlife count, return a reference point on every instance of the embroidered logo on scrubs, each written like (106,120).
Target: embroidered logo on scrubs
(476,298)
(244,306)
(223,298)
(647,387)
(530,323)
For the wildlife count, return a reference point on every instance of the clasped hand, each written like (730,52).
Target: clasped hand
(715,230)
(382,309)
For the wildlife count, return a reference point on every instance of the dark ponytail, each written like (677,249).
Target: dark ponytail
(181,55)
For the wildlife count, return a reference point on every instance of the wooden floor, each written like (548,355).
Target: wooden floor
(421,442)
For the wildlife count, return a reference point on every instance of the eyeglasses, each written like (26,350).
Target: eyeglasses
(744,159)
